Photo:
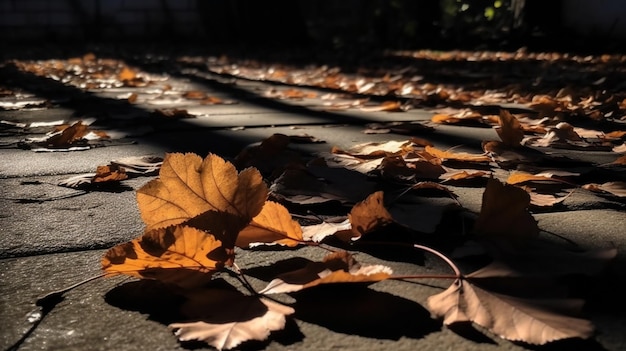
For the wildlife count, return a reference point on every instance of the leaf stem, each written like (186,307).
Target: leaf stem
(456,269)
(242,278)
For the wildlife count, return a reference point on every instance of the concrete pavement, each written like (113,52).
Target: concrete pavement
(52,237)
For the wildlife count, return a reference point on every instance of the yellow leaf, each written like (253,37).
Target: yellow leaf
(273,225)
(188,186)
(181,255)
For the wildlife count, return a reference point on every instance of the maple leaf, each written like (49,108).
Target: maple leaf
(273,225)
(504,213)
(180,255)
(188,186)
(534,321)
(338,267)
(224,318)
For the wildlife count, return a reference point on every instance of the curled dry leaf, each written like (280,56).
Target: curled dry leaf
(318,232)
(510,130)
(533,321)
(338,267)
(181,255)
(273,225)
(615,188)
(139,165)
(458,156)
(188,186)
(504,214)
(369,215)
(378,150)
(524,177)
(388,106)
(109,174)
(241,319)
(398,168)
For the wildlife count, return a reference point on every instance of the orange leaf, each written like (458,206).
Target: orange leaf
(522,177)
(369,215)
(504,213)
(510,130)
(68,135)
(127,74)
(338,267)
(188,186)
(459,156)
(273,225)
(389,106)
(178,254)
(109,173)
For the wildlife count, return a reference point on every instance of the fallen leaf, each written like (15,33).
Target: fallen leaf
(504,214)
(510,130)
(615,188)
(194,95)
(109,174)
(67,135)
(273,225)
(181,255)
(139,165)
(458,156)
(397,127)
(127,74)
(189,185)
(240,319)
(519,177)
(388,106)
(173,113)
(369,215)
(397,168)
(318,232)
(338,267)
(534,321)
(378,150)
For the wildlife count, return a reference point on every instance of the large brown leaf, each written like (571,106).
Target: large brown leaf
(181,255)
(534,321)
(188,186)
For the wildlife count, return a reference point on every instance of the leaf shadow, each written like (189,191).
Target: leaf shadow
(566,345)
(355,309)
(167,304)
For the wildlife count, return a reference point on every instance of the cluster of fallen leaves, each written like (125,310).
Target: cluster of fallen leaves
(200,213)
(570,86)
